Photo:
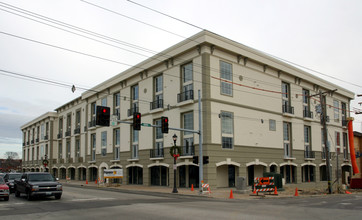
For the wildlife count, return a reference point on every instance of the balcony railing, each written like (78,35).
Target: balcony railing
(188,151)
(323,155)
(67,133)
(37,140)
(77,130)
(344,123)
(60,135)
(32,141)
(288,109)
(131,111)
(92,123)
(307,114)
(309,154)
(46,137)
(23,143)
(187,95)
(156,153)
(85,128)
(80,159)
(27,143)
(156,104)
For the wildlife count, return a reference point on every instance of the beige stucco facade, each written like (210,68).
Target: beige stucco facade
(251,142)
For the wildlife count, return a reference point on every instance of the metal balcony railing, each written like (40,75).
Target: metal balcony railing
(344,123)
(156,153)
(188,151)
(60,135)
(323,155)
(67,133)
(309,154)
(288,109)
(92,123)
(307,114)
(131,111)
(77,130)
(187,95)
(156,104)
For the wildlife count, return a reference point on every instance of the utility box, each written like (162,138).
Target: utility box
(241,183)
(277,179)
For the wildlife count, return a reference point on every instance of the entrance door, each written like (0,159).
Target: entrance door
(231,175)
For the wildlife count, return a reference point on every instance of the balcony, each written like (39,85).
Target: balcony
(156,104)
(69,160)
(344,123)
(308,154)
(323,155)
(46,137)
(92,123)
(27,143)
(307,114)
(131,111)
(188,151)
(77,131)
(184,96)
(61,160)
(156,153)
(32,141)
(23,143)
(37,140)
(60,135)
(67,133)
(287,109)
(85,128)
(80,159)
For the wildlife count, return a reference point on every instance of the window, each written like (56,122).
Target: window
(158,151)
(104,102)
(68,149)
(77,147)
(345,146)
(336,110)
(69,123)
(307,142)
(226,75)
(104,143)
(306,105)
(287,108)
(308,173)
(60,150)
(93,146)
(116,136)
(188,122)
(187,92)
(42,128)
(42,154)
(272,125)
(60,125)
(77,119)
(188,137)
(227,130)
(117,105)
(135,136)
(338,139)
(93,114)
(158,93)
(134,100)
(344,113)
(287,133)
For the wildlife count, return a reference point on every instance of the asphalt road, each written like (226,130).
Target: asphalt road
(85,203)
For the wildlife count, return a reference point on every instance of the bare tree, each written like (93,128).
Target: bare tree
(12,161)
(11,155)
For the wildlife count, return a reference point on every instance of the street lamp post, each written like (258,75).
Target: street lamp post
(174,137)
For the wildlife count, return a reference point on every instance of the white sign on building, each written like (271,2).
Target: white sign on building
(113,173)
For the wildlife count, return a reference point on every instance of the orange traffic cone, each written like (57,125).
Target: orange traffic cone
(95,182)
(231,194)
(86,182)
(275,191)
(254,192)
(296,192)
(192,187)
(348,192)
(208,189)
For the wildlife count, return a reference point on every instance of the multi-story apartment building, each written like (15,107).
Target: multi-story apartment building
(39,141)
(257,115)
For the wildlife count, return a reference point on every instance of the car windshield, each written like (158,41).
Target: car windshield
(2,181)
(41,177)
(14,176)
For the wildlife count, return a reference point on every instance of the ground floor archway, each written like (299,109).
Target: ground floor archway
(188,175)
(135,175)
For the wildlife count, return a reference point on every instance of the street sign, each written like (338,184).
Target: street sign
(146,124)
(113,173)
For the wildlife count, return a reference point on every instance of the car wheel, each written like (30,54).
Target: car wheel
(6,198)
(28,196)
(58,196)
(17,193)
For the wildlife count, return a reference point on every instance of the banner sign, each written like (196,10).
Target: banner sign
(113,173)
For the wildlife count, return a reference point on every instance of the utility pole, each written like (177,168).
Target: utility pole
(325,136)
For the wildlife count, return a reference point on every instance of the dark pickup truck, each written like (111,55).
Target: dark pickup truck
(36,184)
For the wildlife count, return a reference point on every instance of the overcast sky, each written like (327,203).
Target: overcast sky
(325,36)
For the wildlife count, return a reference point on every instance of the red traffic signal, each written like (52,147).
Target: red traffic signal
(137,121)
(103,115)
(164,125)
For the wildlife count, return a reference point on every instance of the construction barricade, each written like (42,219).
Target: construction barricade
(264,185)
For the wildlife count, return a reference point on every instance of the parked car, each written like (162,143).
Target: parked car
(4,190)
(35,184)
(10,178)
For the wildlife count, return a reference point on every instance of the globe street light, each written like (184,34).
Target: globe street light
(174,137)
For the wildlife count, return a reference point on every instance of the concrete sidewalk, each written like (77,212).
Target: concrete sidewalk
(220,193)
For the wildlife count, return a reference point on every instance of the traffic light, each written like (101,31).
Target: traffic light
(164,125)
(195,159)
(103,115)
(205,159)
(137,121)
